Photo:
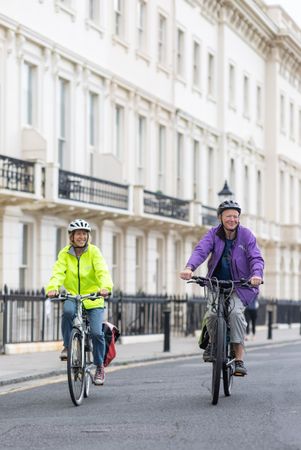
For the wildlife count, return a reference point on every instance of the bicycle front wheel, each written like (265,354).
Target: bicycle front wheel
(218,358)
(75,367)
(88,364)
(228,371)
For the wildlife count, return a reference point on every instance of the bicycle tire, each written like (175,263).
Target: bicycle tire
(218,359)
(228,372)
(87,384)
(76,367)
(88,380)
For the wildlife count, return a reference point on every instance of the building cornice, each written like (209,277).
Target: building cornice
(289,55)
(207,8)
(289,164)
(241,143)
(247,19)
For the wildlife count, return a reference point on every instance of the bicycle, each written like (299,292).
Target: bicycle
(79,359)
(223,357)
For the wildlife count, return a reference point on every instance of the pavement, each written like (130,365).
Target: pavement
(18,368)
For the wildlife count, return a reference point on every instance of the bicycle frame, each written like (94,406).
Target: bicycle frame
(223,362)
(78,365)
(80,322)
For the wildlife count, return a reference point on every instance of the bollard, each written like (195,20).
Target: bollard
(270,323)
(166,347)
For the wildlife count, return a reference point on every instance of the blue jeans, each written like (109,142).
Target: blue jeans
(96,317)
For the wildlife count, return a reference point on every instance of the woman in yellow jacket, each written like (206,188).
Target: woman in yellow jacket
(81,269)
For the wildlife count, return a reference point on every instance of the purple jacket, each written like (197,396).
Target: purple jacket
(246,260)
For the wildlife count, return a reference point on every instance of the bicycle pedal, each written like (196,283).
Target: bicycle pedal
(229,363)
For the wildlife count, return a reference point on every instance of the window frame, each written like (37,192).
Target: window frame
(196,64)
(64,122)
(162,39)
(211,71)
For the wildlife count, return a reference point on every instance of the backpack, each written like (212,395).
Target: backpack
(204,336)
(111,334)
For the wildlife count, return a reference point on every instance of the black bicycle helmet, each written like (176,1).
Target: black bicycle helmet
(228,204)
(79,224)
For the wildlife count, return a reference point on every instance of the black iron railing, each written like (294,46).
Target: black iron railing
(29,318)
(135,315)
(82,188)
(162,205)
(209,216)
(16,174)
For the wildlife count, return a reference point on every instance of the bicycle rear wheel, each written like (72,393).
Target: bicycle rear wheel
(218,359)
(75,367)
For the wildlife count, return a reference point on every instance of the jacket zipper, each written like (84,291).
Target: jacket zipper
(78,275)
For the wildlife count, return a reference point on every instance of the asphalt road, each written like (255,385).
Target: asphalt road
(164,405)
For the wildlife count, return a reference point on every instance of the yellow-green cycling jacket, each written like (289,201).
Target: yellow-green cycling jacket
(85,274)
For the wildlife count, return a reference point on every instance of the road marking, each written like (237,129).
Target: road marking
(26,385)
(32,384)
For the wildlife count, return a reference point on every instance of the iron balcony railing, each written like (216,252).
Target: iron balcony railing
(162,205)
(82,188)
(16,174)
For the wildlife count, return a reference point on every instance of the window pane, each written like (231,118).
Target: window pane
(196,170)
(179,164)
(196,64)
(63,118)
(292,120)
(259,104)
(24,244)
(231,85)
(161,157)
(246,96)
(162,40)
(119,25)
(210,74)
(118,135)
(29,80)
(93,99)
(139,264)
(180,52)
(141,23)
(282,112)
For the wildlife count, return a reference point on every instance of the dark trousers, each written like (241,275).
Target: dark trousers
(251,317)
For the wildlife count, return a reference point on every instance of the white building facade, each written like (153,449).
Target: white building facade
(131,114)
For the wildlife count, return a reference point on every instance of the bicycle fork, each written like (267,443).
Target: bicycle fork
(231,354)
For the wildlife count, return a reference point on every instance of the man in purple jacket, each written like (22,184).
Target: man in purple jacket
(234,255)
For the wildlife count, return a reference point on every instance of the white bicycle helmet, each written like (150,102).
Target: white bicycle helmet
(78,224)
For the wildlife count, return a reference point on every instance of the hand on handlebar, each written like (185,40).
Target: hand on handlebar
(104,293)
(186,274)
(255,281)
(52,294)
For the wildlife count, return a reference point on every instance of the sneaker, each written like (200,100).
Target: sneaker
(99,377)
(207,355)
(64,354)
(240,370)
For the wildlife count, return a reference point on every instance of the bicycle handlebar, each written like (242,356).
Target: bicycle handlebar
(64,296)
(224,284)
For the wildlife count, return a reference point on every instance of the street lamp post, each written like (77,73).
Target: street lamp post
(225,193)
